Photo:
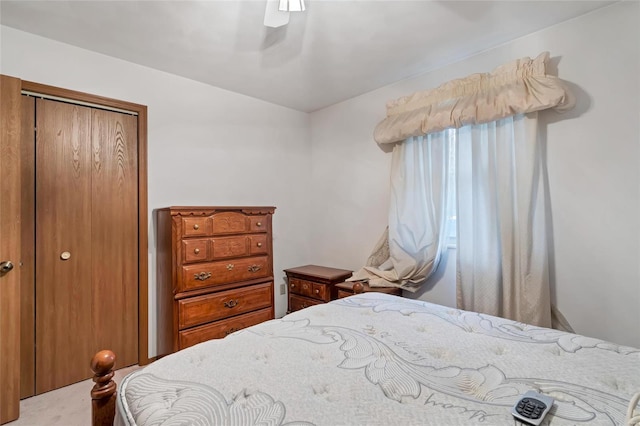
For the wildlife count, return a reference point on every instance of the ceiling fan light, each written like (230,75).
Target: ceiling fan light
(291,6)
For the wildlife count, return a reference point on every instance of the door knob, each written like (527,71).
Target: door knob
(5,266)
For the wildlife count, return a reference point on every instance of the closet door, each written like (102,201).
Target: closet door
(114,234)
(86,240)
(63,244)
(28,253)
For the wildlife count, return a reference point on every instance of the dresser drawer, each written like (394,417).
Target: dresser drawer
(223,272)
(196,226)
(224,247)
(257,224)
(296,302)
(211,307)
(196,250)
(238,223)
(230,223)
(258,244)
(222,328)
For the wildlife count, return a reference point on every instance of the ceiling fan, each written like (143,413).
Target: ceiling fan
(277,11)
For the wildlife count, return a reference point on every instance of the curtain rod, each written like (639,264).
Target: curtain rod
(73,101)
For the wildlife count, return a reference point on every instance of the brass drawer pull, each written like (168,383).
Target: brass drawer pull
(202,276)
(231,303)
(259,224)
(230,266)
(293,286)
(259,244)
(196,251)
(254,268)
(196,226)
(231,330)
(317,291)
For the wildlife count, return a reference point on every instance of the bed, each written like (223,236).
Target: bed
(377,359)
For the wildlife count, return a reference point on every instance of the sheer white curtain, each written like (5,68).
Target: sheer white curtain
(502,255)
(502,252)
(415,236)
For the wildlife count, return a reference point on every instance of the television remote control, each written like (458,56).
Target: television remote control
(532,408)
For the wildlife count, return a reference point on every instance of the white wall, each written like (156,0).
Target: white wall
(206,146)
(593,155)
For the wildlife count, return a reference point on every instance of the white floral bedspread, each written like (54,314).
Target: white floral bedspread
(375,359)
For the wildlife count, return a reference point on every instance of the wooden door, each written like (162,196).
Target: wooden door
(10,112)
(86,240)
(28,237)
(114,234)
(63,225)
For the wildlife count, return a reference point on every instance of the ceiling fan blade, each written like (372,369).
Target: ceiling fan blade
(273,17)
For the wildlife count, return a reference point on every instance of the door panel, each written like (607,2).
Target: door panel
(114,230)
(63,224)
(27,279)
(10,248)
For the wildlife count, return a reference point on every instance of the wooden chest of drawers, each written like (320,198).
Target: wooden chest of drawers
(312,284)
(215,272)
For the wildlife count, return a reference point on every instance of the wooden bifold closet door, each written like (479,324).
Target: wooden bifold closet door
(86,241)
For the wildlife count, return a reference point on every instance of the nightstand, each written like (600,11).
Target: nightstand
(356,287)
(312,285)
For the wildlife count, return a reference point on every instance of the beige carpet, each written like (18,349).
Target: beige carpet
(68,406)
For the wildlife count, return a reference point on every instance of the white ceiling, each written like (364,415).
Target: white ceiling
(333,51)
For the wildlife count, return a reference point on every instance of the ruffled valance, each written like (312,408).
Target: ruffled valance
(518,87)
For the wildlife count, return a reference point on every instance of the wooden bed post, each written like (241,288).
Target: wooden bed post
(358,287)
(103,394)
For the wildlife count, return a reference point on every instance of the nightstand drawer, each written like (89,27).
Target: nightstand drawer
(296,302)
(211,307)
(302,287)
(222,328)
(321,292)
(342,293)
(349,288)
